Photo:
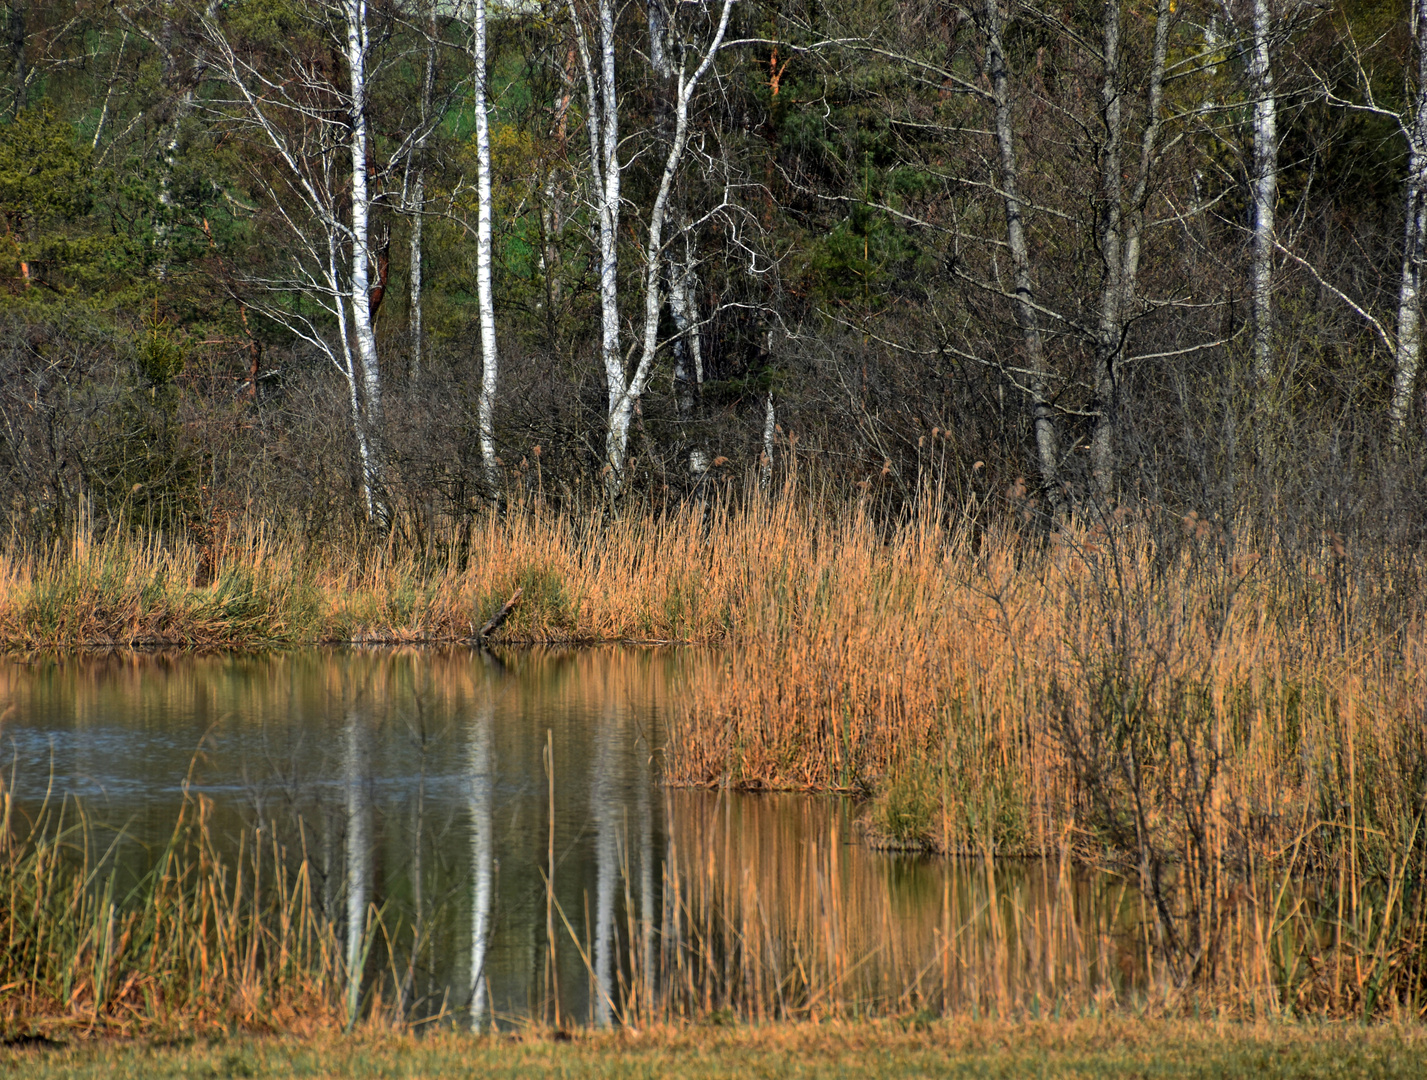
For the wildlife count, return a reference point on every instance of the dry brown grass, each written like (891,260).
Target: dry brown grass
(1217,716)
(203,942)
(1215,713)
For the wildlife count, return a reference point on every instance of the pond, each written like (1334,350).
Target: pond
(491,841)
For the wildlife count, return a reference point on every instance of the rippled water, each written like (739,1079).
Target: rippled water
(501,817)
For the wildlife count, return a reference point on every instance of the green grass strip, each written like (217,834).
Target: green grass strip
(843,1050)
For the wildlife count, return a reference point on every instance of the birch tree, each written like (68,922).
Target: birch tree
(688,347)
(484,296)
(1120,224)
(416,200)
(1263,189)
(182,77)
(1024,302)
(1408,354)
(314,176)
(689,61)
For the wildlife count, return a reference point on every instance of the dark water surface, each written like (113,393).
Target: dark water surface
(439,790)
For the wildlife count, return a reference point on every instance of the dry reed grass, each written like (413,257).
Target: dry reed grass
(202,942)
(1214,713)
(1217,716)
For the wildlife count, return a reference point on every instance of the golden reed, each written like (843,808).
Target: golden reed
(1219,715)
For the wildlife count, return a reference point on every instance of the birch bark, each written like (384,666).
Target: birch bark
(622,409)
(625,390)
(417,202)
(770,426)
(1264,193)
(327,257)
(358,47)
(602,124)
(688,354)
(484,295)
(185,97)
(1107,235)
(1409,293)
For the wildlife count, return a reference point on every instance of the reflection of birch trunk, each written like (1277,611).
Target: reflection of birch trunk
(606,813)
(1027,319)
(646,876)
(358,862)
(482,861)
(1409,294)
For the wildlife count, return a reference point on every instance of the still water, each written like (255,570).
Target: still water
(491,839)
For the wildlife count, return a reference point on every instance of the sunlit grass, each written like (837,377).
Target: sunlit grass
(1231,720)
(203,941)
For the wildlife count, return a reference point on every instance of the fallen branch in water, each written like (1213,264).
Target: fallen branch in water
(493,623)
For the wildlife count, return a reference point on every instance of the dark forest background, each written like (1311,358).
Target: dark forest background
(843,214)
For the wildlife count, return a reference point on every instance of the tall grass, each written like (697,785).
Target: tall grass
(1211,711)
(206,940)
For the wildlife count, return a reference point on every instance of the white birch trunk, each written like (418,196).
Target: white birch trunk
(625,390)
(1107,234)
(417,202)
(168,149)
(363,333)
(622,407)
(307,199)
(688,355)
(484,295)
(1264,193)
(1027,319)
(602,123)
(658,32)
(770,425)
(347,365)
(1409,295)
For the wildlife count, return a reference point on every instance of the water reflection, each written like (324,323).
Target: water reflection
(482,859)
(489,836)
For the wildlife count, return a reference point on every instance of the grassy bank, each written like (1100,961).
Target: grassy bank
(1086,1048)
(579,580)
